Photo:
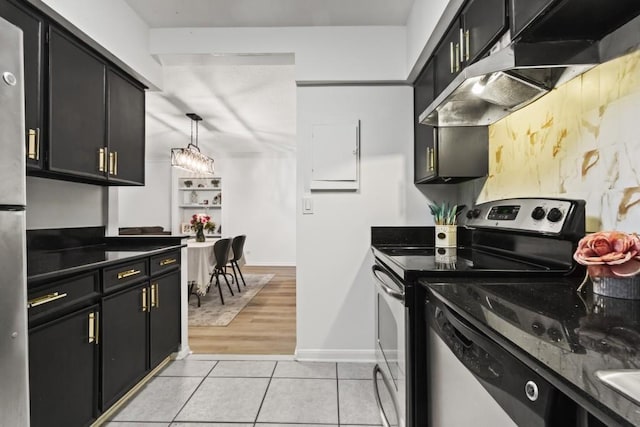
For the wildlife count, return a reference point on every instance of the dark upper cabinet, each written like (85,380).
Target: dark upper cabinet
(542,20)
(63,383)
(423,95)
(126,116)
(483,21)
(447,57)
(164,315)
(124,342)
(458,154)
(32,26)
(76,109)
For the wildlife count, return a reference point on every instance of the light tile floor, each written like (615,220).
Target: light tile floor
(255,393)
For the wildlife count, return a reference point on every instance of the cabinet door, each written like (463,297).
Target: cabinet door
(483,22)
(423,95)
(125,120)
(33,36)
(62,370)
(523,12)
(165,317)
(76,109)
(124,342)
(447,57)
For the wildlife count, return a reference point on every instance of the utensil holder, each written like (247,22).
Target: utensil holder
(446,236)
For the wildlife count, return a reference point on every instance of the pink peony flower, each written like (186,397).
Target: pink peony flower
(614,252)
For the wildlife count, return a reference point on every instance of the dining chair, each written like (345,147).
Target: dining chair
(237,246)
(221,251)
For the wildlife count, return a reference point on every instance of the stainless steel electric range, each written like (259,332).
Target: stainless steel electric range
(508,240)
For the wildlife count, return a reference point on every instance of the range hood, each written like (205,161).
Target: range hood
(520,73)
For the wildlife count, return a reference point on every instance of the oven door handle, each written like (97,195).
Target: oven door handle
(399,295)
(470,333)
(376,393)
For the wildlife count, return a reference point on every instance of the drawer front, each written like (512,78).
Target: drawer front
(123,275)
(59,297)
(165,262)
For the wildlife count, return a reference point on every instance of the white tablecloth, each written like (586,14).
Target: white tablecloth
(201,262)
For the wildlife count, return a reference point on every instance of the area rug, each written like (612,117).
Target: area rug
(212,313)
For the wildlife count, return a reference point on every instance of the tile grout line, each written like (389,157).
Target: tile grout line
(338,392)
(255,421)
(191,395)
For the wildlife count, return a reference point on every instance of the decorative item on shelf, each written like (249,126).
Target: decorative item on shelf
(216,199)
(220,229)
(194,198)
(185,228)
(200,185)
(188,183)
(200,223)
(215,183)
(205,202)
(613,263)
(190,158)
(445,217)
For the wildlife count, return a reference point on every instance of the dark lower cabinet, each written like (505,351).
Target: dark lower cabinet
(124,342)
(63,380)
(164,329)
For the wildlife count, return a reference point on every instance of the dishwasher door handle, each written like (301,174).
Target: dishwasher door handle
(397,294)
(470,332)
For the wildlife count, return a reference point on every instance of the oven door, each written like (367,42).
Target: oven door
(389,372)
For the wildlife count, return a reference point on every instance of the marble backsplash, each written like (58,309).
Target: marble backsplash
(582,140)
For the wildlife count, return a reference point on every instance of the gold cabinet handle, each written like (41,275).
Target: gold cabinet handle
(467,39)
(115,163)
(168,261)
(94,327)
(111,163)
(101,156)
(128,273)
(144,299)
(32,148)
(45,299)
(153,295)
(451,57)
(37,143)
(461,45)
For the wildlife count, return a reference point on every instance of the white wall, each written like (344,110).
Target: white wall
(334,288)
(422,20)
(115,26)
(61,204)
(259,200)
(149,205)
(321,53)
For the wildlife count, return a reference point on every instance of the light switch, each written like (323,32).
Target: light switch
(307,205)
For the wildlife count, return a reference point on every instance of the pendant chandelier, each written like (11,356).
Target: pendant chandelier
(190,158)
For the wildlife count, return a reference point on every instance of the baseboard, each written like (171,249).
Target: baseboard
(335,355)
(182,353)
(271,264)
(241,357)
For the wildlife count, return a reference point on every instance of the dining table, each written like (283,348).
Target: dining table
(200,265)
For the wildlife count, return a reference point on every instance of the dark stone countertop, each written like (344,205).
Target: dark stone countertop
(564,336)
(45,265)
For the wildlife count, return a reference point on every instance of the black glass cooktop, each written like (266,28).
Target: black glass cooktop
(460,261)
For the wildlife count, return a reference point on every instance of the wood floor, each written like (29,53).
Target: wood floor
(267,325)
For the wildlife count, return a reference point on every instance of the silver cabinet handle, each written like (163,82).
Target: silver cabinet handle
(461,45)
(399,295)
(451,53)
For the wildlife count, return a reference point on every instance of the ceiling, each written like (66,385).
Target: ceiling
(247,102)
(270,13)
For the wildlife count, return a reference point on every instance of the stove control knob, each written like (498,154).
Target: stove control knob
(470,213)
(554,215)
(538,328)
(476,213)
(538,213)
(554,334)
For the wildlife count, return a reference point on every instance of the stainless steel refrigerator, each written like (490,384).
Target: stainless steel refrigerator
(14,370)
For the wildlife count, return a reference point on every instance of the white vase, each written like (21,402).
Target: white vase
(446,236)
